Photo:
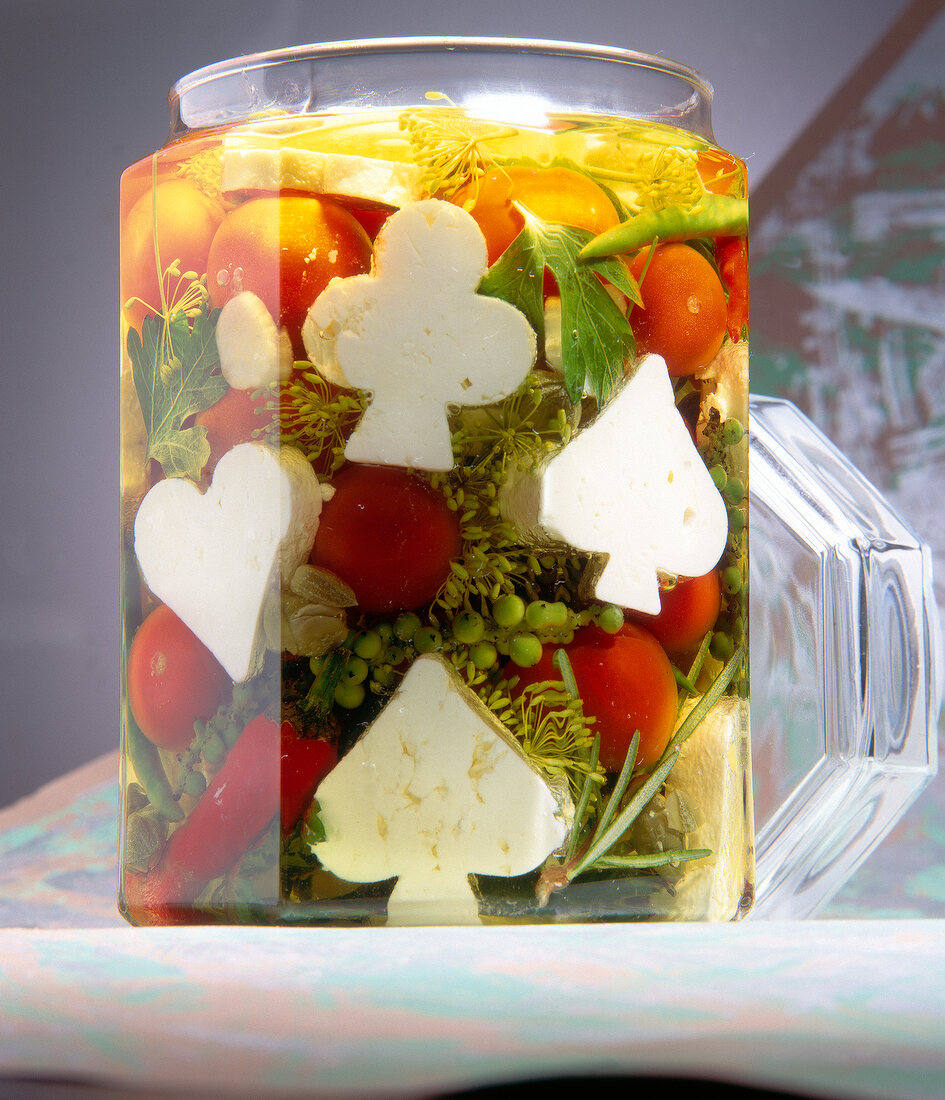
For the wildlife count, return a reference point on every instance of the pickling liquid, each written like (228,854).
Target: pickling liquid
(434,527)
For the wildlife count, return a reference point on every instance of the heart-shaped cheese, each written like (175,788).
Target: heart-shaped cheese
(212,557)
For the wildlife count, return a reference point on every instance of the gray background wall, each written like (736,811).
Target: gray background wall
(84,84)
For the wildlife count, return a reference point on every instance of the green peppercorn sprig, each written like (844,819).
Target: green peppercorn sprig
(215,736)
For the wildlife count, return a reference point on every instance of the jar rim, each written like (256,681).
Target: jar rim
(443,44)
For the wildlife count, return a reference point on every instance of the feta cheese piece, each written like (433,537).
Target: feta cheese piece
(272,163)
(253,352)
(726,378)
(417,336)
(436,789)
(633,486)
(213,557)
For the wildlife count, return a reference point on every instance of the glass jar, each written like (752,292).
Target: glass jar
(434,493)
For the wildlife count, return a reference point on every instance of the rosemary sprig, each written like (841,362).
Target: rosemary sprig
(585,853)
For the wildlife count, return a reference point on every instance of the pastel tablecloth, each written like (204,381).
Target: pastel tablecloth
(837,1008)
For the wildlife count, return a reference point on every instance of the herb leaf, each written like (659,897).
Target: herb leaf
(172,363)
(596,336)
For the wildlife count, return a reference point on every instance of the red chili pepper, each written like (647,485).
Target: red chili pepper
(240,801)
(305,762)
(731,256)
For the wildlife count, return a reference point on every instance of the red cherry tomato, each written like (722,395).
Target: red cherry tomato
(173,679)
(388,535)
(285,250)
(233,419)
(687,613)
(626,683)
(186,223)
(684,312)
(558,195)
(305,763)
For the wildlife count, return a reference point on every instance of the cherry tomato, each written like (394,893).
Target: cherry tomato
(233,419)
(687,613)
(173,679)
(684,312)
(186,223)
(388,535)
(305,763)
(626,683)
(558,195)
(285,250)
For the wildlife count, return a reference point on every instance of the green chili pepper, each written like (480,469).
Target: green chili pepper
(149,770)
(712,216)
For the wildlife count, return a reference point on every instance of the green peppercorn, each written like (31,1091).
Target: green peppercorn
(214,750)
(737,519)
(525,650)
(230,732)
(732,431)
(541,614)
(384,676)
(393,655)
(484,655)
(719,477)
(349,696)
(406,625)
(508,611)
(610,618)
(468,627)
(194,784)
(427,640)
(734,490)
(732,580)
(721,646)
(368,645)
(355,670)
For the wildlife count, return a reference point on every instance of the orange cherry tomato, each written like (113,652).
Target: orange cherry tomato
(186,223)
(721,173)
(558,195)
(626,683)
(173,679)
(687,613)
(285,250)
(684,312)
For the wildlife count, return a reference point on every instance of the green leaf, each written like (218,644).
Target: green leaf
(172,365)
(596,336)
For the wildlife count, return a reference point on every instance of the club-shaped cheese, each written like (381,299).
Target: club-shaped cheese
(417,336)
(253,352)
(212,557)
(632,486)
(436,789)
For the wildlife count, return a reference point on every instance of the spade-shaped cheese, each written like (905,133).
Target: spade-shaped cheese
(436,789)
(632,486)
